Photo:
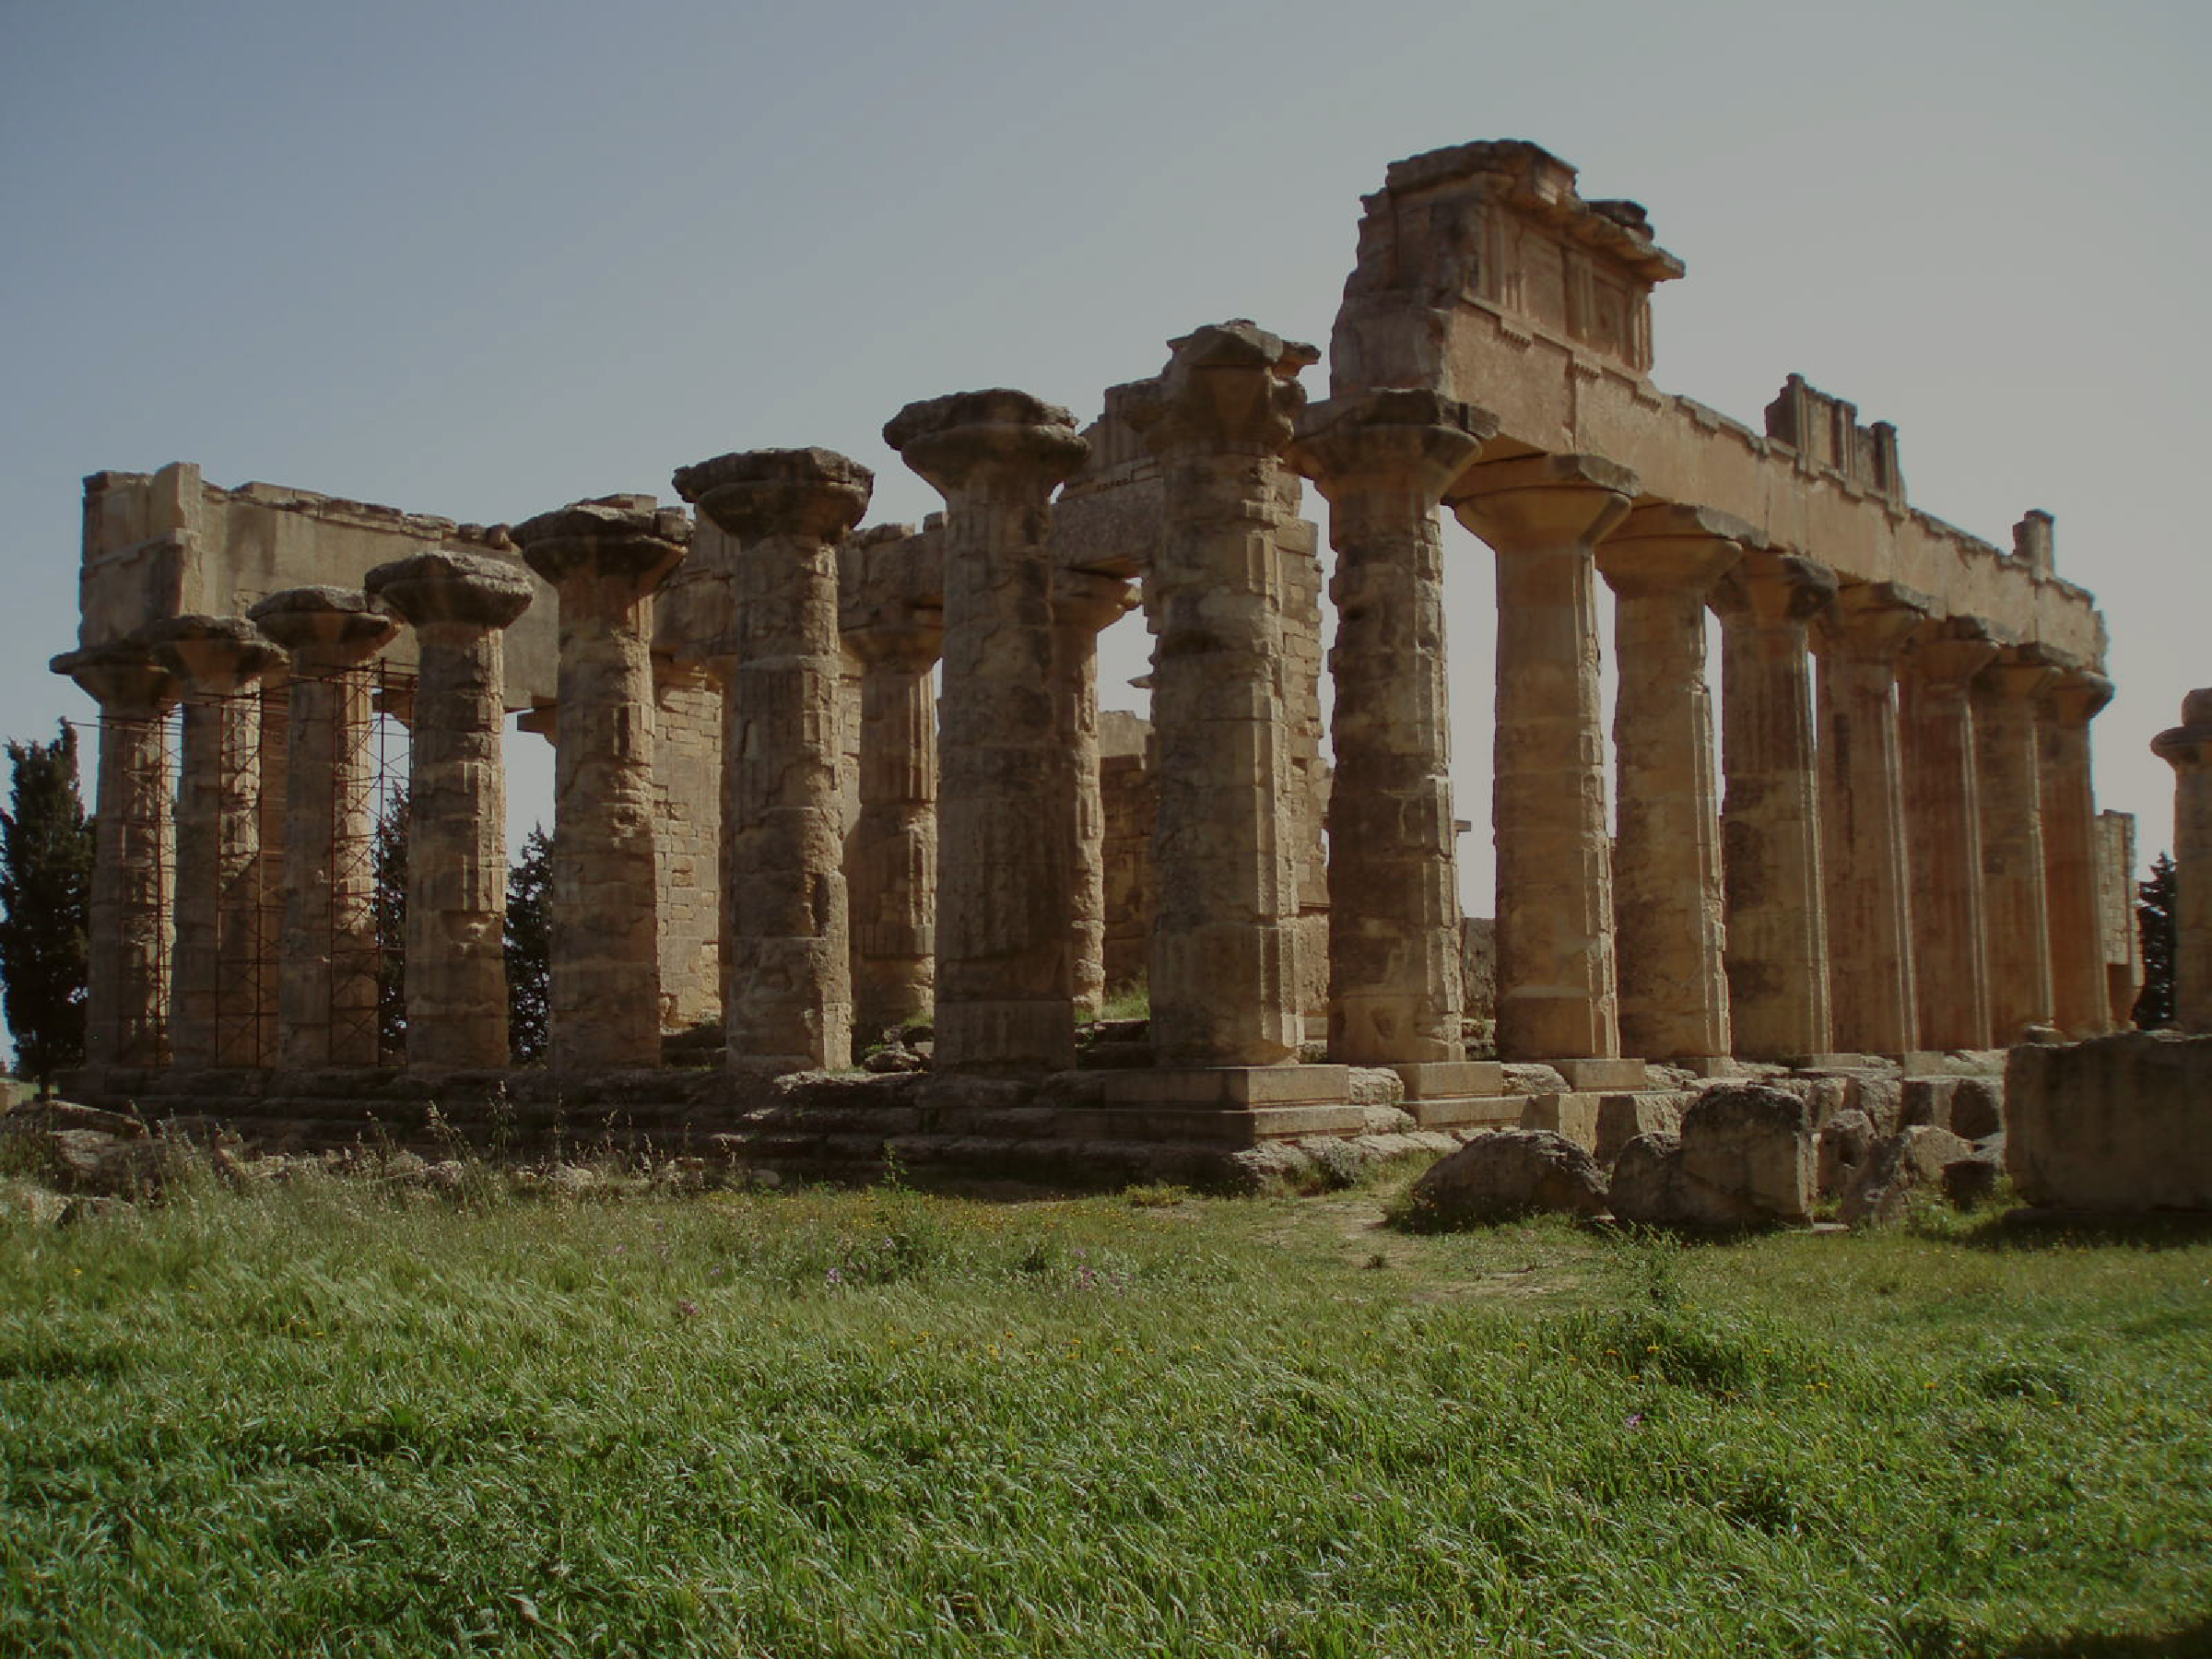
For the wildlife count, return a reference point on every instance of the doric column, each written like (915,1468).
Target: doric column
(1005,968)
(1543,515)
(1085,603)
(2081,1003)
(2017,914)
(1943,831)
(327,961)
(220,970)
(2188,750)
(604,559)
(1770,812)
(787,986)
(1873,1002)
(128,908)
(1384,461)
(1223,973)
(1661,564)
(458,605)
(273,745)
(891,855)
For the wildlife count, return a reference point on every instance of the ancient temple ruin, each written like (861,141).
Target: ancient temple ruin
(820,779)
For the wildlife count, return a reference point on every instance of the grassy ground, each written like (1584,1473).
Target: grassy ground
(330,1419)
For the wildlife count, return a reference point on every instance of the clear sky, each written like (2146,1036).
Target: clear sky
(478,259)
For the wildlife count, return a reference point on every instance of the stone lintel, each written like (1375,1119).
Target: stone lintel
(816,493)
(990,439)
(1227,1085)
(1542,187)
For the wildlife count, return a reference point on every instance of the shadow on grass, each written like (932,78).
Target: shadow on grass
(2176,1642)
(2031,1228)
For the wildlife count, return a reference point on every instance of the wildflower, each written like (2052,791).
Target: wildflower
(687,1309)
(1633,1420)
(833,1277)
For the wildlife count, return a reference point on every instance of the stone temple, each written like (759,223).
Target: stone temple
(819,778)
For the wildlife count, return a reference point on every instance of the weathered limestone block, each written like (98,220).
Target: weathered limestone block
(787,990)
(1906,1165)
(1543,516)
(1943,828)
(1662,564)
(1840,1146)
(1873,1004)
(2079,1000)
(1383,460)
(458,605)
(1085,603)
(687,789)
(1743,1158)
(2116,1125)
(891,583)
(1006,791)
(326,986)
(2188,750)
(604,559)
(1777,949)
(2016,912)
(125,1000)
(1508,1174)
(1224,976)
(221,981)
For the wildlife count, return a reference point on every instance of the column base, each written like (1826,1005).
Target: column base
(1241,1104)
(1602,1072)
(1458,1094)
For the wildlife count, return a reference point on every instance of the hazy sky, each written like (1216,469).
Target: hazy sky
(480,259)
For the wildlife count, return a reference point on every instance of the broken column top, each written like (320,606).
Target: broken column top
(610,535)
(813,492)
(2033,541)
(950,440)
(446,586)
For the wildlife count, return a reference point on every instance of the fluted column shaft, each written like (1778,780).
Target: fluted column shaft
(787,991)
(1777,950)
(459,604)
(2016,899)
(2188,750)
(219,980)
(128,905)
(1661,565)
(1873,1007)
(605,559)
(2080,998)
(1943,830)
(1005,969)
(1084,605)
(1224,975)
(1542,516)
(1384,461)
(326,959)
(891,855)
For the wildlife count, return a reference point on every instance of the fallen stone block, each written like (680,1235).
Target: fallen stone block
(1900,1168)
(1840,1149)
(2117,1125)
(1507,1174)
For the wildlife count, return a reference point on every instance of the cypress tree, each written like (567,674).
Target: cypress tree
(2154,916)
(45,892)
(529,943)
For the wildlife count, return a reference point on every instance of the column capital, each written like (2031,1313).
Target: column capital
(324,629)
(1395,438)
(814,493)
(1872,621)
(445,586)
(605,538)
(1228,386)
(1543,500)
(2188,746)
(1771,588)
(1667,548)
(212,655)
(2077,695)
(995,441)
(1948,652)
(2020,672)
(1091,599)
(123,677)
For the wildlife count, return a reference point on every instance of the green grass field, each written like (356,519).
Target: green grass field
(331,1419)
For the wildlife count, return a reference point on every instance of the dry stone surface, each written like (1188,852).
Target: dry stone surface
(2117,1125)
(1510,1173)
